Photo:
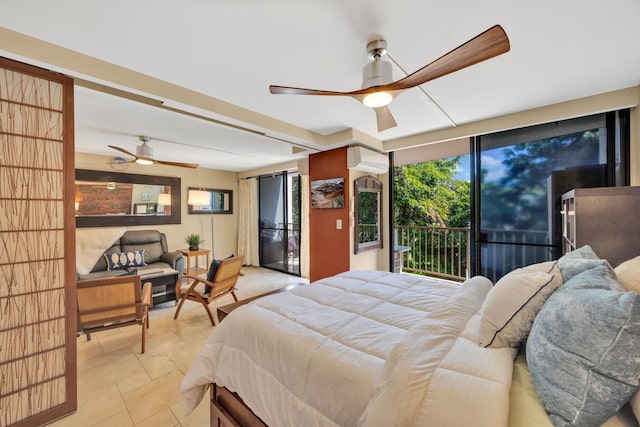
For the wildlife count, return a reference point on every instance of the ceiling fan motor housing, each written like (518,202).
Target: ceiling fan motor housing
(376,73)
(144,151)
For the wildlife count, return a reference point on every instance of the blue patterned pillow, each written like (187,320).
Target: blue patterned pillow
(583,349)
(117,261)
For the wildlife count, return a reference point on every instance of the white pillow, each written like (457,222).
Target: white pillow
(628,274)
(511,305)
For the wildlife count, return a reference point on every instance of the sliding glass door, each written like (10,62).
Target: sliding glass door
(520,176)
(279,226)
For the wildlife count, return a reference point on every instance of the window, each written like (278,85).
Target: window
(368,212)
(520,176)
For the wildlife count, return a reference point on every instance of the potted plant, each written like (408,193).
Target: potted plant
(194,241)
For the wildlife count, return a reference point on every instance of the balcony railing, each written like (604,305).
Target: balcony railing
(435,251)
(516,248)
(444,252)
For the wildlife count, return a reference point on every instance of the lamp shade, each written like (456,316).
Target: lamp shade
(198,198)
(164,199)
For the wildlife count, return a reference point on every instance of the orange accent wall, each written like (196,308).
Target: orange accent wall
(328,246)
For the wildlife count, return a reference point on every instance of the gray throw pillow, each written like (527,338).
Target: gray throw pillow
(583,252)
(582,259)
(583,349)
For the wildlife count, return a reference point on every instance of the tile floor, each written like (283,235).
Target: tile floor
(118,386)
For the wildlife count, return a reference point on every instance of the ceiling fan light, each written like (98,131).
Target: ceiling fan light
(377,99)
(144,162)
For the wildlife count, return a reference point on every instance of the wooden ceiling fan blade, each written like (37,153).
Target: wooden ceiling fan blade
(384,119)
(122,150)
(489,44)
(184,165)
(287,90)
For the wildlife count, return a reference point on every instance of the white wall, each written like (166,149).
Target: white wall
(225,226)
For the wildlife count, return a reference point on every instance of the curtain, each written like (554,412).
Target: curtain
(304,226)
(248,221)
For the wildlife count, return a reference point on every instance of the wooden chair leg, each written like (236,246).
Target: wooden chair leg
(175,316)
(206,307)
(233,293)
(143,338)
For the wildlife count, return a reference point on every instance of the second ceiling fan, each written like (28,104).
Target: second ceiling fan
(378,89)
(144,155)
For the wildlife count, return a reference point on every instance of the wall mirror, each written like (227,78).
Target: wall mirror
(107,199)
(209,201)
(367,214)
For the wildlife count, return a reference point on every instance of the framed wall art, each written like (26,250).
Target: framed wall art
(327,193)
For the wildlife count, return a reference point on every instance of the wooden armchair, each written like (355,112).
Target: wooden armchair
(191,287)
(113,302)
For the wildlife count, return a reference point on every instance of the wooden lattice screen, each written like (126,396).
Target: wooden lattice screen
(37,246)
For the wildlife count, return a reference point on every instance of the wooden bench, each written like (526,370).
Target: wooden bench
(226,309)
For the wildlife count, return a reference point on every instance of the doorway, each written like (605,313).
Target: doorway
(279,221)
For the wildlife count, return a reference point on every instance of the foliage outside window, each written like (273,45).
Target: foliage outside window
(429,194)
(368,214)
(432,214)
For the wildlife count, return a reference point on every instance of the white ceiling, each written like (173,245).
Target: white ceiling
(221,56)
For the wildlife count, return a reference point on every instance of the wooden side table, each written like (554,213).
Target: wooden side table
(195,254)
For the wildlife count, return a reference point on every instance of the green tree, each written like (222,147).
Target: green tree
(427,194)
(460,205)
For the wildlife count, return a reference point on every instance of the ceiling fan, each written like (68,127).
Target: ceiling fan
(144,155)
(378,89)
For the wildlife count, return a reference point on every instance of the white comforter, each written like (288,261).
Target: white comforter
(365,348)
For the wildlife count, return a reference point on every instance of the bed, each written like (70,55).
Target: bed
(371,348)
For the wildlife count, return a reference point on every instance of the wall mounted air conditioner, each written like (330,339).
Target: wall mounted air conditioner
(365,160)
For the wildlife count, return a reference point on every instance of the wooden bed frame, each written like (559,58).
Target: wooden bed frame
(228,410)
